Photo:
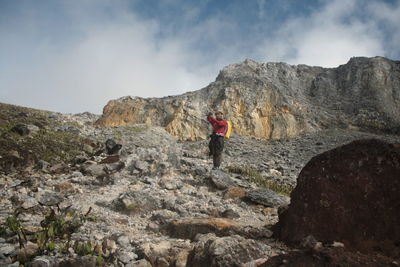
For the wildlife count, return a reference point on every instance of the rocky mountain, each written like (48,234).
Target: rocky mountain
(77,195)
(74,193)
(276,101)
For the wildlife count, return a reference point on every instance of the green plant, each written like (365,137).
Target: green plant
(195,146)
(99,260)
(131,207)
(93,218)
(83,249)
(15,226)
(58,225)
(256,177)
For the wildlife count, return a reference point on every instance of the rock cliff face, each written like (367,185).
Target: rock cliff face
(276,100)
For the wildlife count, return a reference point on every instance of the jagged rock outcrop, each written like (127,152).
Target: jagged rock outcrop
(276,100)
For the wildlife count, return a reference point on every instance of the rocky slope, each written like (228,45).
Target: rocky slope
(276,101)
(154,201)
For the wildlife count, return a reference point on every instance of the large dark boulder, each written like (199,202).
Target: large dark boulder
(349,194)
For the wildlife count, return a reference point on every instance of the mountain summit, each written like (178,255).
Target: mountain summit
(276,100)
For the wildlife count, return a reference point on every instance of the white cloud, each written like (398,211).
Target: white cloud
(77,56)
(388,17)
(105,60)
(328,37)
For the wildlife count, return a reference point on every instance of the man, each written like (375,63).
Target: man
(220,127)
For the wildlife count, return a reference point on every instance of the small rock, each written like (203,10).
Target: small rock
(43,261)
(164,216)
(48,198)
(20,129)
(59,168)
(162,262)
(76,174)
(255,263)
(232,250)
(32,128)
(153,227)
(139,263)
(6,249)
(42,165)
(270,211)
(53,116)
(137,201)
(104,179)
(110,159)
(221,180)
(123,241)
(127,257)
(230,213)
(29,202)
(266,197)
(80,159)
(170,184)
(141,165)
(15,264)
(64,188)
(115,167)
(93,169)
(112,246)
(181,259)
(275,172)
(15,183)
(235,192)
(88,149)
(98,236)
(112,147)
(337,244)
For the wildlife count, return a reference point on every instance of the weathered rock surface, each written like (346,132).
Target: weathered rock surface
(329,257)
(234,250)
(349,194)
(221,180)
(188,228)
(266,197)
(166,253)
(276,100)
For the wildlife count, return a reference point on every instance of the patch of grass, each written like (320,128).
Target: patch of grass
(195,146)
(131,207)
(46,144)
(255,176)
(51,146)
(134,128)
(83,249)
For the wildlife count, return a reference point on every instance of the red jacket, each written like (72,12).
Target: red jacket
(219,127)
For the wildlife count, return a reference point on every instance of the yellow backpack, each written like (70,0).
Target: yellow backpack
(228,131)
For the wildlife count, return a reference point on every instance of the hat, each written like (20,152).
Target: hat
(219,111)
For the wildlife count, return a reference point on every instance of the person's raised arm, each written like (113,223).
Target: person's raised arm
(217,122)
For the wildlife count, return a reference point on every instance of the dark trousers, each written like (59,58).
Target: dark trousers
(216,146)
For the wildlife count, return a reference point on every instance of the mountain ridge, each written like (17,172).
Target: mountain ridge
(276,100)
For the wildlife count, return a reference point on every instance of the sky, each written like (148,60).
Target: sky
(74,56)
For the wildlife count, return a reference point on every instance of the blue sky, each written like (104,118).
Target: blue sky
(75,55)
